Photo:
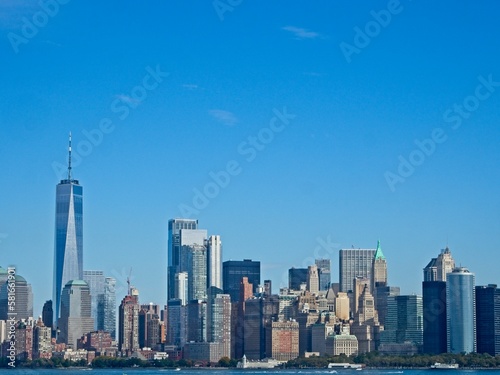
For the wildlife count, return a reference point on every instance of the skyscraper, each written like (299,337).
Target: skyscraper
(174,250)
(214,264)
(354,263)
(23,307)
(68,250)
(434,310)
(379,271)
(312,279)
(128,324)
(75,320)
(193,260)
(404,321)
(95,281)
(234,270)
(296,277)
(110,306)
(488,319)
(461,311)
(444,264)
(325,276)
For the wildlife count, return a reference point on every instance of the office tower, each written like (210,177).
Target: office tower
(42,336)
(297,277)
(238,323)
(324,270)
(174,250)
(4,275)
(444,264)
(379,269)
(128,323)
(460,311)
(254,333)
(196,311)
(488,319)
(381,295)
(354,263)
(181,287)
(68,250)
(430,271)
(214,264)
(149,326)
(47,314)
(360,284)
(366,326)
(23,307)
(434,313)
(342,306)
(95,281)
(75,320)
(312,279)
(268,288)
(197,271)
(234,270)
(176,323)
(284,340)
(109,324)
(404,321)
(219,322)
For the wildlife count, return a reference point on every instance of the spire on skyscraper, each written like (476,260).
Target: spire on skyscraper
(69,158)
(378,253)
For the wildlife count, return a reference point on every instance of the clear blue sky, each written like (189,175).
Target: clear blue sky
(322,175)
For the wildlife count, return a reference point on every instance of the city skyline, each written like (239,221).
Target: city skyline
(276,139)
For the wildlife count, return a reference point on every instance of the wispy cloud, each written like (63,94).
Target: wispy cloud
(190,86)
(301,33)
(226,117)
(127,99)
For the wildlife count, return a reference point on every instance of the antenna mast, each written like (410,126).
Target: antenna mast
(69,158)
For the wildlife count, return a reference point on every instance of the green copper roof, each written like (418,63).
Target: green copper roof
(379,254)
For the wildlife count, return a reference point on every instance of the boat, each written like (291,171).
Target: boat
(444,366)
(353,366)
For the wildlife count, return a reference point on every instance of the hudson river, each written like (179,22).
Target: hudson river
(130,371)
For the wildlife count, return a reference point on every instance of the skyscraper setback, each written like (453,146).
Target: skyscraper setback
(68,249)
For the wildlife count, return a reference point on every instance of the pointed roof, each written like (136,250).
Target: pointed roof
(379,254)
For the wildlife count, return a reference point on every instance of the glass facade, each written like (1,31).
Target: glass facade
(174,250)
(95,280)
(68,252)
(232,273)
(109,323)
(354,263)
(460,311)
(488,319)
(434,307)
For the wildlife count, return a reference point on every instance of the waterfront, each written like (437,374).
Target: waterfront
(129,371)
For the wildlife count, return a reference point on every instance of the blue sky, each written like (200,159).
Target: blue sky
(183,89)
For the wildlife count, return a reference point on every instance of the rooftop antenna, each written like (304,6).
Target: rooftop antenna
(128,282)
(69,158)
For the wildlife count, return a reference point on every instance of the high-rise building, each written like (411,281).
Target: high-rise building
(342,306)
(75,320)
(176,323)
(381,295)
(297,277)
(284,340)
(379,271)
(23,307)
(197,271)
(324,270)
(488,319)
(181,287)
(42,336)
(109,323)
(312,279)
(404,321)
(128,323)
(354,263)
(95,281)
(234,270)
(48,314)
(174,250)
(460,311)
(434,313)
(68,250)
(214,264)
(444,264)
(196,311)
(219,322)
(366,326)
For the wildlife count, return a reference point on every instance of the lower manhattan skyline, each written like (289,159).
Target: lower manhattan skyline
(326,127)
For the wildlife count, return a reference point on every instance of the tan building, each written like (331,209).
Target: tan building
(284,340)
(312,279)
(342,306)
(342,344)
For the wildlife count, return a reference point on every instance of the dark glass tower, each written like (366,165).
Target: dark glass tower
(488,319)
(434,307)
(68,250)
(232,273)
